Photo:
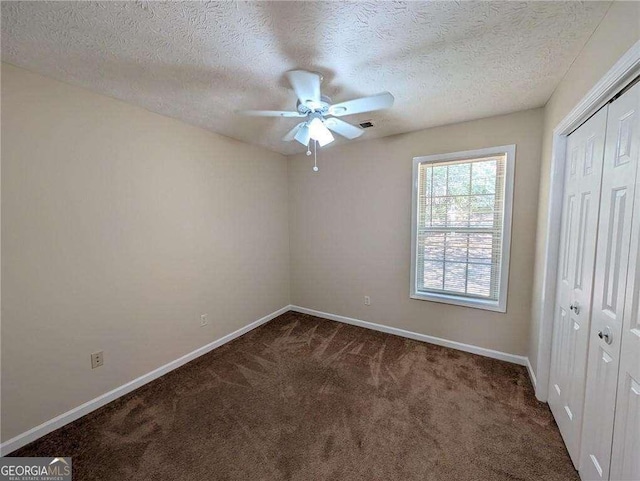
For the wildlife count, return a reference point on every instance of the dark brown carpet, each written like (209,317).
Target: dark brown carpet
(303,398)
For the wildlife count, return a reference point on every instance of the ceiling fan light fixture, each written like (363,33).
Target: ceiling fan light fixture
(325,139)
(318,131)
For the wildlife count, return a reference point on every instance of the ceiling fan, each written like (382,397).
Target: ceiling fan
(319,113)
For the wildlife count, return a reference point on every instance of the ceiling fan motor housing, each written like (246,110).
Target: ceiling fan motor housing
(310,106)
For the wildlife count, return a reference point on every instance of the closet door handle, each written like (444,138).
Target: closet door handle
(606,335)
(575,308)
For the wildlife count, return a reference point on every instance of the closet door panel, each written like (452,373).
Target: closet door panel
(585,151)
(612,261)
(625,455)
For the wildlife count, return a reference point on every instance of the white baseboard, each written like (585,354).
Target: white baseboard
(503,356)
(59,421)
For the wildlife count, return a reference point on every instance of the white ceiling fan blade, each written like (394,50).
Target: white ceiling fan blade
(292,133)
(270,113)
(364,104)
(344,128)
(306,86)
(303,135)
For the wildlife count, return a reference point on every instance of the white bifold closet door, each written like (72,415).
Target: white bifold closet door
(585,153)
(625,460)
(612,307)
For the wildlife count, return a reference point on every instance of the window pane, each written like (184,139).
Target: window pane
(433,275)
(479,280)
(480,255)
(439,212)
(456,248)
(439,180)
(484,177)
(481,248)
(459,179)
(433,246)
(455,277)
(458,211)
(482,210)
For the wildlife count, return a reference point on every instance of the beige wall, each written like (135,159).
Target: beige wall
(617,32)
(350,231)
(119,228)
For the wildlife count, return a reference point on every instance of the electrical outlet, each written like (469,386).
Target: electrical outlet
(203,320)
(97,359)
(367,301)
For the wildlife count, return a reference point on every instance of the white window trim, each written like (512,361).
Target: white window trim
(501,304)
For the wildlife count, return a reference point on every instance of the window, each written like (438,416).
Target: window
(461,227)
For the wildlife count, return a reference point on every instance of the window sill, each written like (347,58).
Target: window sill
(496,306)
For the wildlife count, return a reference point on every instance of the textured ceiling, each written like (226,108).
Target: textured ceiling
(443,61)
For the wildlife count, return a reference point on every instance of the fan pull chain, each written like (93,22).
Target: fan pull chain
(315,156)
